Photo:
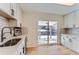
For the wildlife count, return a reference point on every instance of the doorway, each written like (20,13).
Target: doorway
(47,32)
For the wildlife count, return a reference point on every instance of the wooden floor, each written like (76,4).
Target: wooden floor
(50,50)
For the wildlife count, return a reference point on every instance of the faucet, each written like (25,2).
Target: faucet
(2,33)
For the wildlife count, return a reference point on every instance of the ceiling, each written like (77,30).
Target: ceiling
(49,8)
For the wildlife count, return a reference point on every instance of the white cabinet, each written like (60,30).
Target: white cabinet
(66,21)
(77,18)
(70,42)
(76,45)
(5,7)
(21,48)
(66,41)
(69,20)
(8,10)
(13,9)
(62,40)
(19,15)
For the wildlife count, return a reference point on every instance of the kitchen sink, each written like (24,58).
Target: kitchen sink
(11,42)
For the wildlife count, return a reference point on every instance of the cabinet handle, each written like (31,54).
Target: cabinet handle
(23,50)
(12,12)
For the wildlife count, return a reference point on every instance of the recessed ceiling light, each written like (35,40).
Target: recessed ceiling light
(67,4)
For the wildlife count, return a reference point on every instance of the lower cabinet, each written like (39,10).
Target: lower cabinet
(21,48)
(68,42)
(75,45)
(19,51)
(71,43)
(62,39)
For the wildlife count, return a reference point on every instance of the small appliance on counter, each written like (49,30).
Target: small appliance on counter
(17,31)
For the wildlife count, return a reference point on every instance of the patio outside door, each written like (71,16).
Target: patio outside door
(47,32)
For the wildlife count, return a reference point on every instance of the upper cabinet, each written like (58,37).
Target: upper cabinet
(19,15)
(77,18)
(5,9)
(11,11)
(69,20)
(16,13)
(8,10)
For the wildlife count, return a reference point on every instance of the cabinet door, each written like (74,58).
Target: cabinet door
(77,18)
(66,21)
(14,9)
(19,15)
(68,42)
(69,20)
(5,7)
(76,45)
(62,39)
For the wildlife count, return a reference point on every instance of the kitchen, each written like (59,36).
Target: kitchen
(19,33)
(12,41)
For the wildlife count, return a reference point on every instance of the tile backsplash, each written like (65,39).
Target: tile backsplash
(3,23)
(75,31)
(71,31)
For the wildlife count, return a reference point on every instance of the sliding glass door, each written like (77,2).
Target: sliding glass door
(53,32)
(43,32)
(47,32)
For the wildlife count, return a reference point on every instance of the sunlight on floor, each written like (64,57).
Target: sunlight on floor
(50,50)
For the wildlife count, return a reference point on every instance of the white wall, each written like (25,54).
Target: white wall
(30,20)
